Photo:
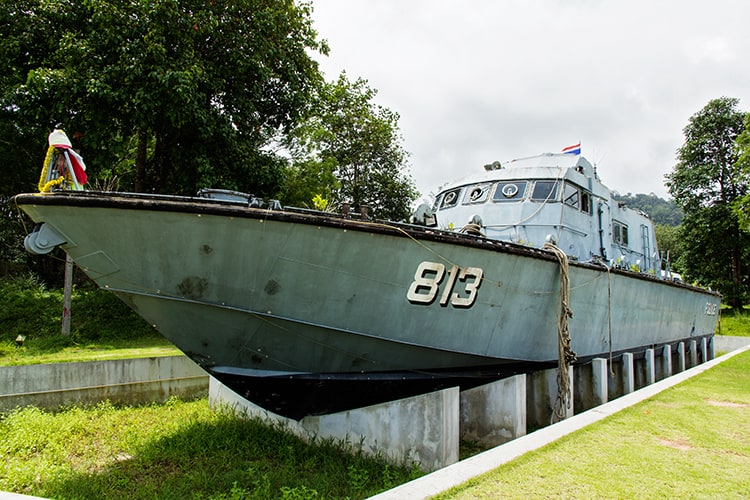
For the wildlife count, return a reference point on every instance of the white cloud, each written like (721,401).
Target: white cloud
(484,80)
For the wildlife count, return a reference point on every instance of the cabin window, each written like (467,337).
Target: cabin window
(620,233)
(577,198)
(476,194)
(544,191)
(509,191)
(571,196)
(586,204)
(450,199)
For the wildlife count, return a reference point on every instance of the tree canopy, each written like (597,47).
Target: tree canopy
(354,146)
(742,205)
(706,182)
(168,95)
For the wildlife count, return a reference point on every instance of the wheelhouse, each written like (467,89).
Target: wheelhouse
(551,197)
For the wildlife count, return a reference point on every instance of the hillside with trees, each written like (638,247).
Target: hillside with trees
(661,211)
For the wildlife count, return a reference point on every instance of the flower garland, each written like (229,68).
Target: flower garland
(46,187)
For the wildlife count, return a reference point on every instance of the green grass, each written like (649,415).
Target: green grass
(177,450)
(691,441)
(102,327)
(734,323)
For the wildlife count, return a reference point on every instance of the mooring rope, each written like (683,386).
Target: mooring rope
(566,355)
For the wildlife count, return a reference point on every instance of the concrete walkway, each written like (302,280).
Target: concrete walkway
(458,473)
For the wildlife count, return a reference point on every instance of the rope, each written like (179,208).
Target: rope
(609,311)
(472,228)
(565,353)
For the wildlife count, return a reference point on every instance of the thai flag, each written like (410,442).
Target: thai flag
(575,149)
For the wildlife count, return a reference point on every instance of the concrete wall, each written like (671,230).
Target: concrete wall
(422,429)
(726,343)
(131,381)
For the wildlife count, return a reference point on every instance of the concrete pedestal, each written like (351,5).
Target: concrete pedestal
(541,395)
(495,413)
(681,357)
(666,362)
(422,429)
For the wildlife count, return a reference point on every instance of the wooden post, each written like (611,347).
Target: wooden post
(67,292)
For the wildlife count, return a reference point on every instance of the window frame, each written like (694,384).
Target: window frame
(550,197)
(620,233)
(498,196)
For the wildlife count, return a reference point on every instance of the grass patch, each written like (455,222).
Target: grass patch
(102,326)
(177,450)
(690,441)
(734,322)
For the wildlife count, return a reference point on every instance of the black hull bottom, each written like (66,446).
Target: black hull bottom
(299,395)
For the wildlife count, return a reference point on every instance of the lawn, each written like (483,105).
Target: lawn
(690,441)
(177,450)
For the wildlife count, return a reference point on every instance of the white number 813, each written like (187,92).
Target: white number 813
(428,280)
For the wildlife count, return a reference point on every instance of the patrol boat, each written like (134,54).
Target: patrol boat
(302,312)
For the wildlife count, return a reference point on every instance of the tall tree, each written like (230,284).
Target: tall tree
(706,182)
(359,142)
(171,95)
(742,205)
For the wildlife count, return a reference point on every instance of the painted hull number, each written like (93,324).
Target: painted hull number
(432,280)
(711,309)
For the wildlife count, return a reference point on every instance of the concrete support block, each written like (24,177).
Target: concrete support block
(693,353)
(494,413)
(422,430)
(590,385)
(681,357)
(541,396)
(129,381)
(712,348)
(704,350)
(615,385)
(650,367)
(666,362)
(599,381)
(628,373)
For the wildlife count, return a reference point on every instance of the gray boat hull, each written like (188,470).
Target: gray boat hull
(261,293)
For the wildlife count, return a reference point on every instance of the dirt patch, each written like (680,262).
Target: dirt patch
(729,404)
(679,445)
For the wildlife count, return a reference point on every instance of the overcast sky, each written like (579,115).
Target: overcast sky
(481,80)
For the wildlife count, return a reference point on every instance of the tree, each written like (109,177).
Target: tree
(706,182)
(358,142)
(168,95)
(742,205)
(669,241)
